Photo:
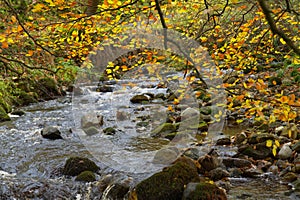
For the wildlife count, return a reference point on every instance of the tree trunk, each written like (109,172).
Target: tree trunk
(92,7)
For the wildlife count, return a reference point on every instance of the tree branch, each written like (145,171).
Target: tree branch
(274,28)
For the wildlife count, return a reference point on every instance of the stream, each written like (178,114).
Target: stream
(30,164)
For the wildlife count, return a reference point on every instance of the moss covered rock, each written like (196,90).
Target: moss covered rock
(203,191)
(3,115)
(75,165)
(163,130)
(86,176)
(169,183)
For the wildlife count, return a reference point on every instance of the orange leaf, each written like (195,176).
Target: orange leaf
(4,45)
(284,99)
(30,53)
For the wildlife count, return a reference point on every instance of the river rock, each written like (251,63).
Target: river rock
(86,176)
(105,88)
(163,130)
(203,191)
(223,141)
(240,138)
(92,130)
(51,133)
(140,98)
(218,174)
(208,163)
(252,172)
(109,131)
(236,162)
(160,96)
(18,112)
(91,119)
(285,152)
(188,113)
(116,191)
(296,167)
(259,138)
(256,153)
(166,156)
(75,165)
(296,147)
(169,183)
(289,177)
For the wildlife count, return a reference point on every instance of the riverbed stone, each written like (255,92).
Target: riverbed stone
(51,133)
(203,191)
(218,174)
(75,165)
(116,191)
(169,183)
(208,163)
(92,130)
(259,138)
(165,156)
(86,176)
(254,152)
(296,147)
(140,98)
(91,119)
(18,112)
(285,152)
(223,141)
(289,177)
(240,138)
(109,131)
(235,162)
(163,130)
(188,113)
(105,88)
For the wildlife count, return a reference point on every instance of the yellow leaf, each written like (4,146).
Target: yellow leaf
(239,121)
(269,143)
(282,41)
(277,143)
(13,19)
(274,150)
(203,39)
(290,133)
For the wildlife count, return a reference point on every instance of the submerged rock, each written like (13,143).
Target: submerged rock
(51,133)
(86,176)
(75,165)
(91,119)
(203,191)
(163,130)
(169,183)
(140,98)
(109,131)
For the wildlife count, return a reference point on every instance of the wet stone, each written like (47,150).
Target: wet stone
(285,152)
(139,98)
(296,147)
(75,165)
(236,162)
(223,141)
(86,176)
(51,133)
(218,174)
(203,191)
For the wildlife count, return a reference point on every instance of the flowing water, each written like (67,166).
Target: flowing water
(30,164)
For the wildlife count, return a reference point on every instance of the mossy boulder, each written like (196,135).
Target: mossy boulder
(3,115)
(109,131)
(169,183)
(75,165)
(163,130)
(86,176)
(5,105)
(203,191)
(25,98)
(48,88)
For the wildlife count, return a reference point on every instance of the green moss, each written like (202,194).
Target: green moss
(86,176)
(3,115)
(76,165)
(163,129)
(168,184)
(204,191)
